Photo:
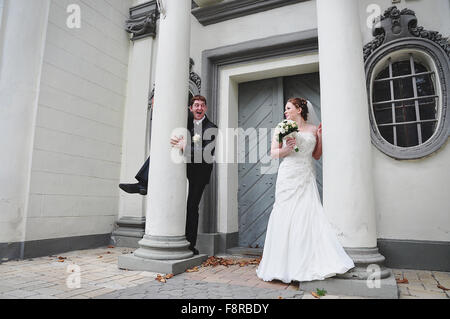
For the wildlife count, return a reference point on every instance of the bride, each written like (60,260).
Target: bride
(300,244)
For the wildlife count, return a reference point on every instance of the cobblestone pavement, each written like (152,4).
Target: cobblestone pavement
(423,284)
(181,287)
(94,274)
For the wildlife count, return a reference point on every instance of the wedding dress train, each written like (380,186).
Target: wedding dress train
(300,243)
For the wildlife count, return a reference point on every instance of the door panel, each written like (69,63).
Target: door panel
(260,107)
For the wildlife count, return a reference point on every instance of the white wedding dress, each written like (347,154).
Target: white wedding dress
(300,242)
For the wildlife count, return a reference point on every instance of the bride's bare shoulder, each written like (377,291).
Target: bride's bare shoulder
(312,128)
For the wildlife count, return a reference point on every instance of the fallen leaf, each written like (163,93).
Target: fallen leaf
(100,256)
(255,261)
(163,279)
(280,297)
(195,269)
(315,295)
(402,281)
(111,247)
(442,287)
(108,252)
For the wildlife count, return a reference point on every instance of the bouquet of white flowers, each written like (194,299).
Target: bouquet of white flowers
(286,129)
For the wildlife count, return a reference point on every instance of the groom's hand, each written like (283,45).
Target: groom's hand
(178,142)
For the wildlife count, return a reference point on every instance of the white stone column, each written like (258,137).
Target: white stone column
(136,114)
(347,160)
(166,214)
(22,44)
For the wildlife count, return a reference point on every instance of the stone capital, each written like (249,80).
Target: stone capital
(142,21)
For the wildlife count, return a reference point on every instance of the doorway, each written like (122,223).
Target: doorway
(261,106)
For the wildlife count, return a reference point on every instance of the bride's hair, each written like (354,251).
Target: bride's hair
(301,103)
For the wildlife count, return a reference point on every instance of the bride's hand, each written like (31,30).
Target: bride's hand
(319,131)
(290,143)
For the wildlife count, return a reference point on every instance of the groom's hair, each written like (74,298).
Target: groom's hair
(301,103)
(198,98)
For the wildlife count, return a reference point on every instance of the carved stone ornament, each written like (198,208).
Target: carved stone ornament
(395,24)
(195,82)
(142,26)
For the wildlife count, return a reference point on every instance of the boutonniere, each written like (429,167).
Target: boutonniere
(196,139)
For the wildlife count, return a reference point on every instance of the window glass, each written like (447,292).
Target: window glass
(409,117)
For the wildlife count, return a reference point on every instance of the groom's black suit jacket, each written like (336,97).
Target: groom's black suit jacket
(200,155)
(196,172)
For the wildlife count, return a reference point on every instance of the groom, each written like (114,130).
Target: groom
(199,153)
(199,157)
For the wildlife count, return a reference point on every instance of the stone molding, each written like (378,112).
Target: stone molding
(237,8)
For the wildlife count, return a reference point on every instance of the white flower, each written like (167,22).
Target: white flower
(197,138)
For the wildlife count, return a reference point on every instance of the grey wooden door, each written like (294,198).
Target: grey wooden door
(307,86)
(260,106)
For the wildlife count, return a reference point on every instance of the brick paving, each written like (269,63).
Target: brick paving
(89,274)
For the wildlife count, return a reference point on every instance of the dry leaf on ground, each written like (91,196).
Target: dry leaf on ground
(216,261)
(442,287)
(315,295)
(163,279)
(402,281)
(195,269)
(255,261)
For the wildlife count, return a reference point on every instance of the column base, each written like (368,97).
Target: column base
(132,262)
(163,254)
(164,248)
(129,232)
(368,263)
(383,289)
